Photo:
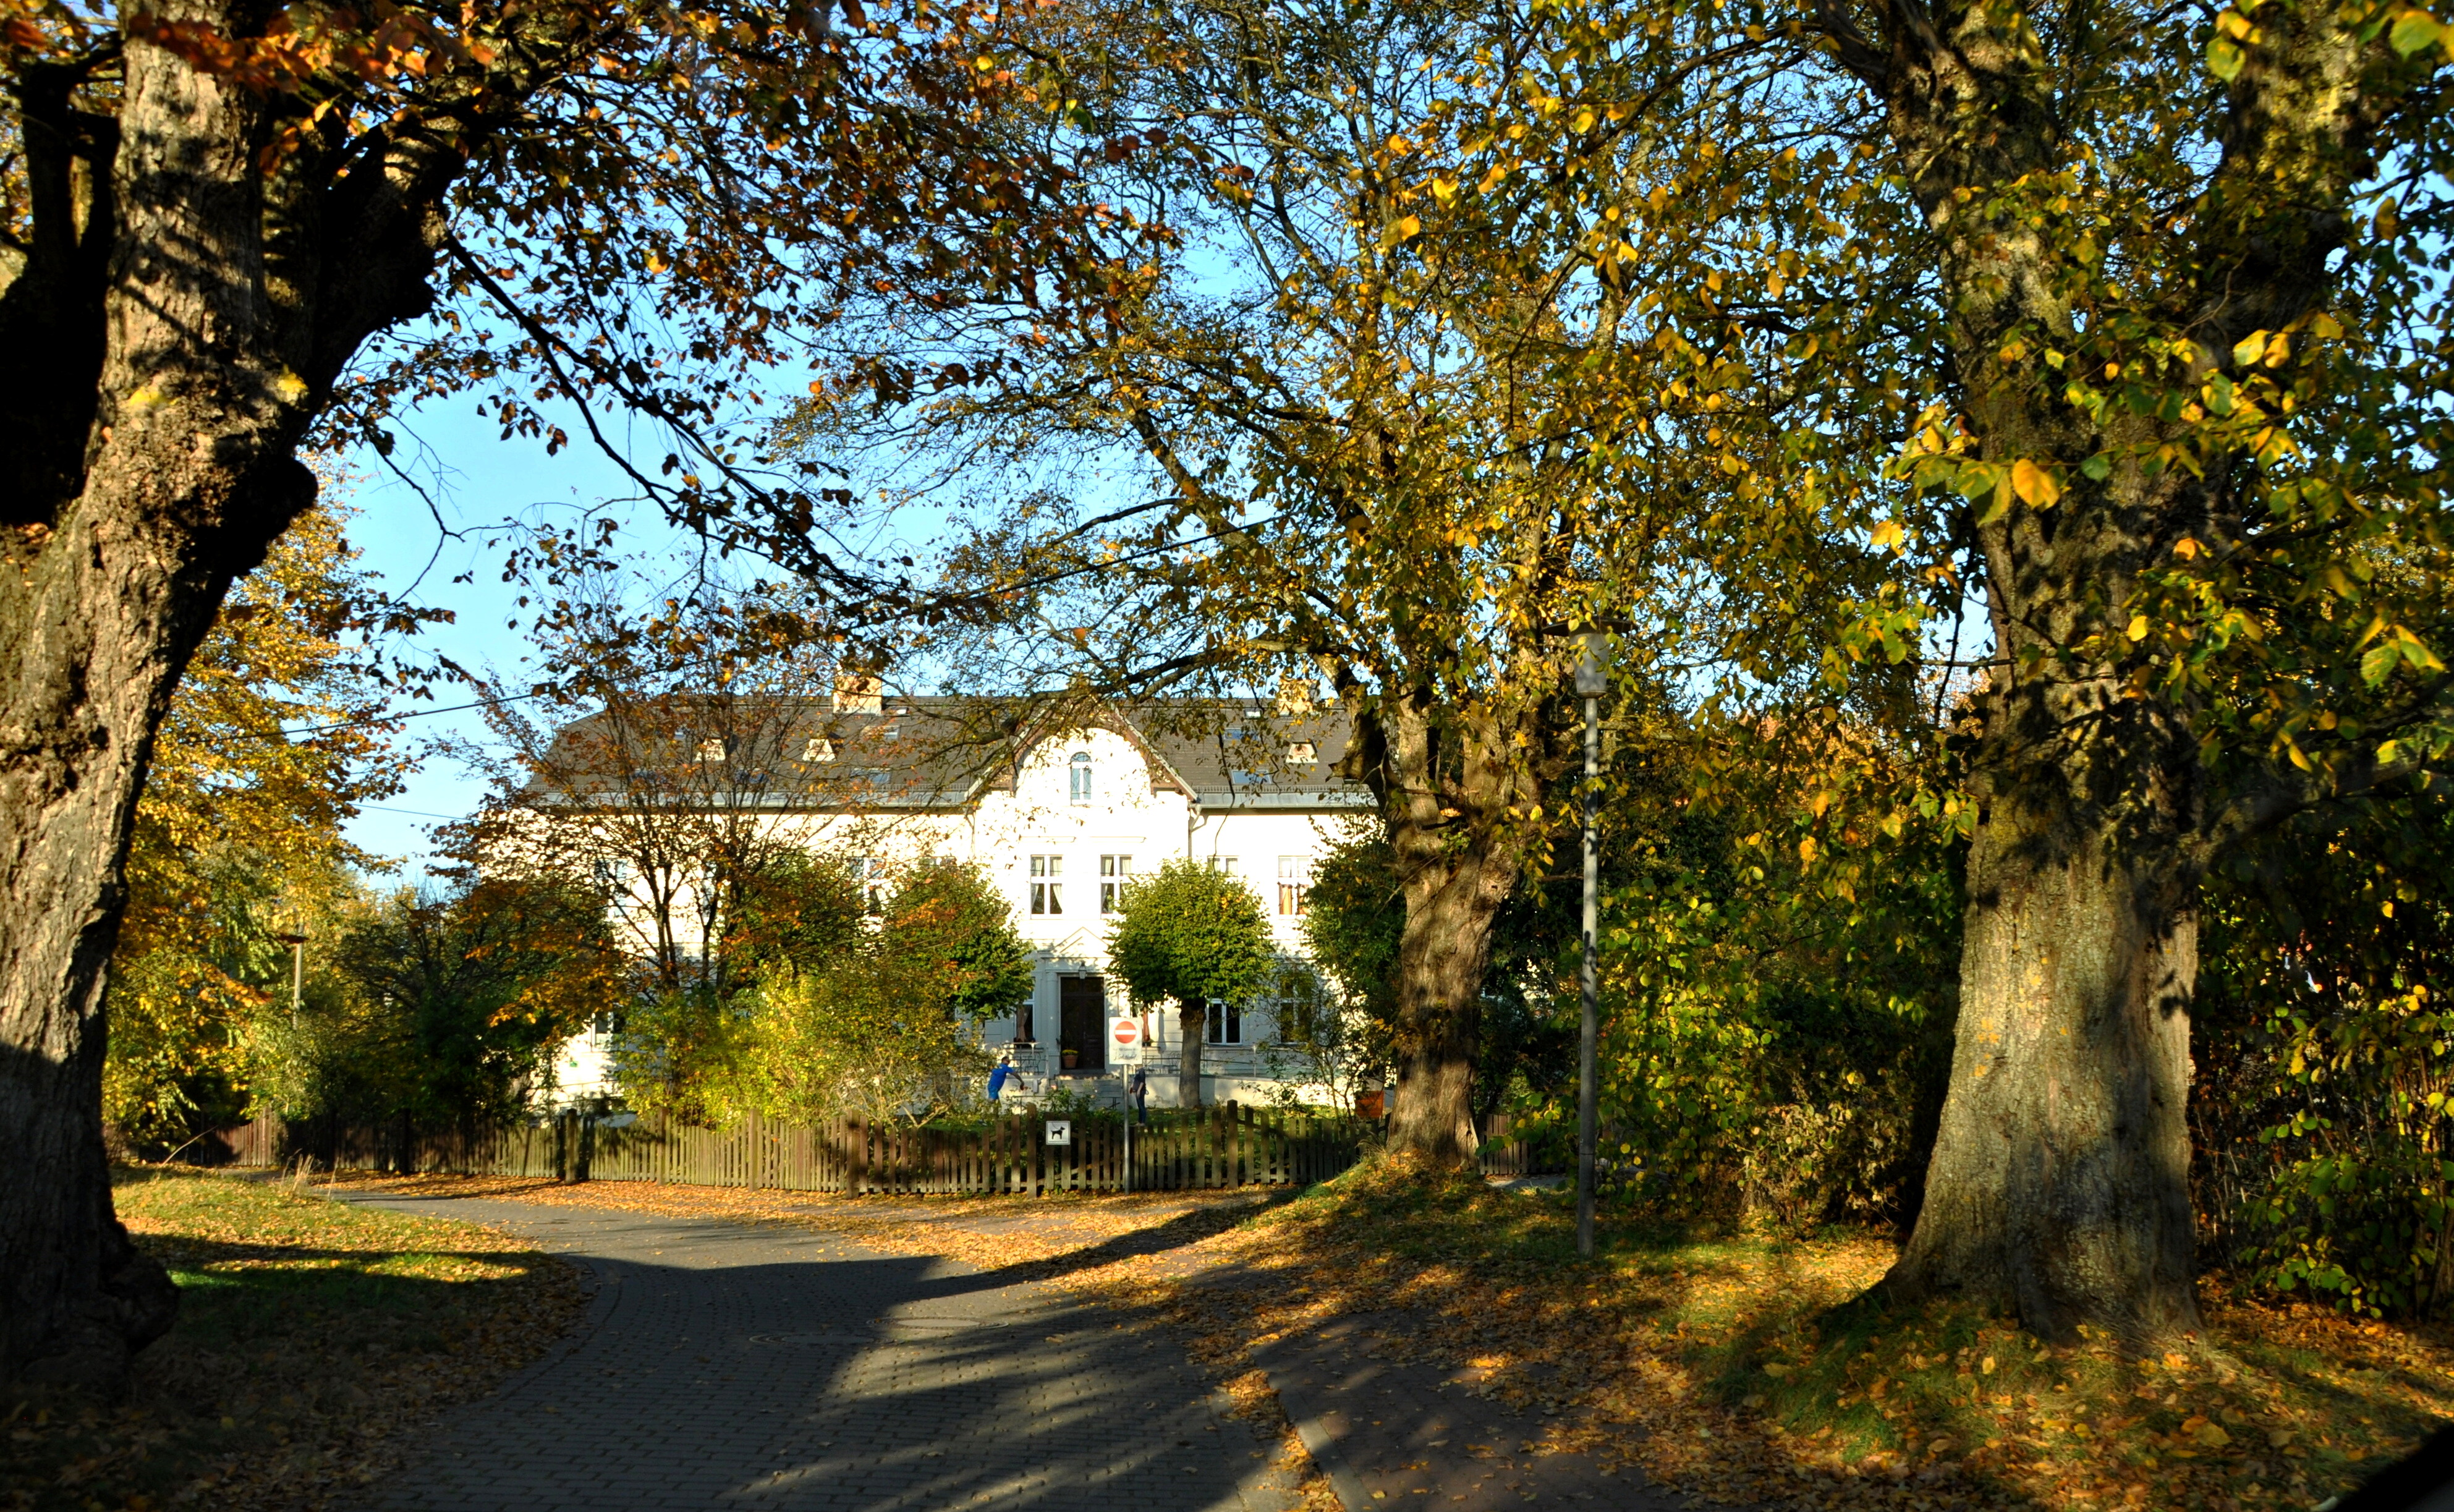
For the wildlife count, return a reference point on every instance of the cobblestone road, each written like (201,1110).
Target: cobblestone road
(727,1365)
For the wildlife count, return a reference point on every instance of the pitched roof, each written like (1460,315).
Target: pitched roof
(934,752)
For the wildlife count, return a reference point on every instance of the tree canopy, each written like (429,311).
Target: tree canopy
(1192,935)
(273,739)
(888,1027)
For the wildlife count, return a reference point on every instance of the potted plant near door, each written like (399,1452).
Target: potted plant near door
(1071,1055)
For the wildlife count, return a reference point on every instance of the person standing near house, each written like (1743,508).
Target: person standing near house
(1138,1091)
(997,1076)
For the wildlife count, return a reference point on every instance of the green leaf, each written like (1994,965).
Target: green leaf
(2377,663)
(2000,504)
(2415,30)
(2224,58)
(2099,467)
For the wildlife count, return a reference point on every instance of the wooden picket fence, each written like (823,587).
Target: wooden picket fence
(1176,1150)
(1506,1154)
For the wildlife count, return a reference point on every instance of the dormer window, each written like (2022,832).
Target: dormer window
(1302,752)
(818,749)
(1077,777)
(711,749)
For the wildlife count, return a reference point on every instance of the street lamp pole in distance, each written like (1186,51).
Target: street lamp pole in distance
(1592,682)
(297,940)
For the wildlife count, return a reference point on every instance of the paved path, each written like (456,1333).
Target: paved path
(727,1365)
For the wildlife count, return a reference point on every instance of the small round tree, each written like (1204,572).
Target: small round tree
(1193,935)
(949,919)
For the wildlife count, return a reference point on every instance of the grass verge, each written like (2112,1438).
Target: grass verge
(310,1332)
(1754,1370)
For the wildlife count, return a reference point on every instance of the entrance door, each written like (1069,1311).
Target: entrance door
(1082,1015)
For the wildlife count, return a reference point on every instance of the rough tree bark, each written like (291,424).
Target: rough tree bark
(200,311)
(1452,785)
(1192,1025)
(2058,1187)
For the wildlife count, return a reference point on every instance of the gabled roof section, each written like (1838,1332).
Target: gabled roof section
(935,753)
(1164,776)
(1247,756)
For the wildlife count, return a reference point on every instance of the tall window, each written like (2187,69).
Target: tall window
(1226,1021)
(1295,880)
(1297,1012)
(1113,871)
(871,879)
(1077,777)
(1045,872)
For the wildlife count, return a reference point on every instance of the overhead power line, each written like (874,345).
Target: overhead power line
(410,714)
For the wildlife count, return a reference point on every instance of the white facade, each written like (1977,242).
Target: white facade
(1060,827)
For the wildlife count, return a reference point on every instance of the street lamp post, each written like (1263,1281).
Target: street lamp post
(1592,682)
(297,943)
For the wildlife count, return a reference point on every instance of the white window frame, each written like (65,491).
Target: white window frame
(1222,1024)
(1294,885)
(1047,883)
(1077,777)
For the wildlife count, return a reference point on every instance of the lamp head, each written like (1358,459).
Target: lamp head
(1593,679)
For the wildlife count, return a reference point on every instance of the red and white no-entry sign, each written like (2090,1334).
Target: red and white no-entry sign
(1127,1032)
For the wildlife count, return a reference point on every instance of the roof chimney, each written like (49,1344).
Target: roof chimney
(858,693)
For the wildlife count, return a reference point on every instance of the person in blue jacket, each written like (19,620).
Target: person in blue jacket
(997,1076)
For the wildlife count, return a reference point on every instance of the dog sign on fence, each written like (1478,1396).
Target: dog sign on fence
(1060,1131)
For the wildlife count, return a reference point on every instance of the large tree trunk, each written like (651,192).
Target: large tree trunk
(185,345)
(1441,956)
(2058,1187)
(1453,784)
(2058,1184)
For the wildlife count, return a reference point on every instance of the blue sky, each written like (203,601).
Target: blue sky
(474,480)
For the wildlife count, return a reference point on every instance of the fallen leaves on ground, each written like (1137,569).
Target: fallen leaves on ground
(1744,1368)
(1755,1371)
(310,1334)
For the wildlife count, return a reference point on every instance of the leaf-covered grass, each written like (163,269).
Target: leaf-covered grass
(310,1332)
(1755,1368)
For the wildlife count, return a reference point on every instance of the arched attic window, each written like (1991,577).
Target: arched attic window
(1077,777)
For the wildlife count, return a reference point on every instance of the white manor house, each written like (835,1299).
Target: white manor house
(1060,819)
